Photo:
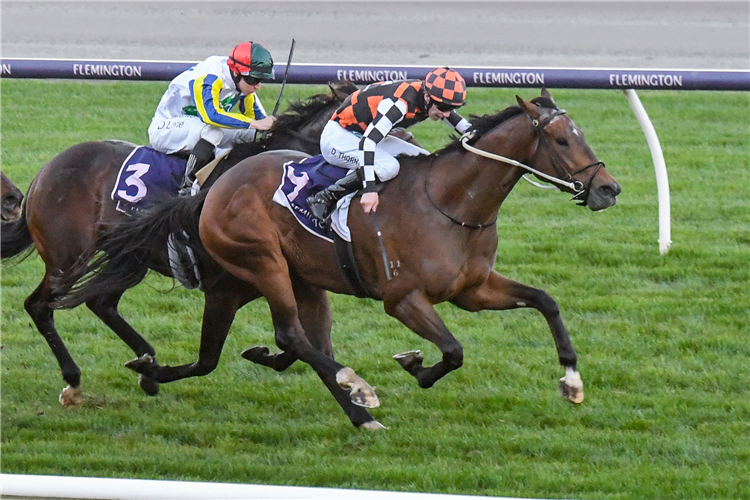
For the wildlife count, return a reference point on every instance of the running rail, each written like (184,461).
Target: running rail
(18,485)
(627,80)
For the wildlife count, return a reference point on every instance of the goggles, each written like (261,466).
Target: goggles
(251,80)
(442,106)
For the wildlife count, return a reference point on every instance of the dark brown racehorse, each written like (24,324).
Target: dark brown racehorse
(68,205)
(10,207)
(438,221)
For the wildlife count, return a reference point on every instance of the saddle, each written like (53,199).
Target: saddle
(146,176)
(304,179)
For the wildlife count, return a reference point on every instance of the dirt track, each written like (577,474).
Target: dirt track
(665,35)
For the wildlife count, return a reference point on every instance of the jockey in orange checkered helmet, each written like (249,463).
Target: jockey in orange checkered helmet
(358,135)
(446,88)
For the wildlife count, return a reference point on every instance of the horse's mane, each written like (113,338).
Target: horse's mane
(298,113)
(301,111)
(484,123)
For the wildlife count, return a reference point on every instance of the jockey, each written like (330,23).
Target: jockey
(213,106)
(357,137)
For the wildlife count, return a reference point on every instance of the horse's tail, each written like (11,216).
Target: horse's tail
(129,247)
(15,237)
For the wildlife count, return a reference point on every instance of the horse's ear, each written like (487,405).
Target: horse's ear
(341,90)
(531,109)
(546,94)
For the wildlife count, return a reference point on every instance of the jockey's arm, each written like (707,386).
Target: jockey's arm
(205,92)
(389,113)
(264,123)
(458,122)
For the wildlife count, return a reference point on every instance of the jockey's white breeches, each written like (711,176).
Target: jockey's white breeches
(180,134)
(341,147)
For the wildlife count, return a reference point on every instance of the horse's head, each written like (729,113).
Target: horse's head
(562,152)
(11,200)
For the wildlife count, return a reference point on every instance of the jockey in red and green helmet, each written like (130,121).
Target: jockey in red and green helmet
(212,106)
(357,137)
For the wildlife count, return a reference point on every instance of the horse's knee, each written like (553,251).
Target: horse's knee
(202,368)
(453,357)
(37,309)
(546,304)
(283,340)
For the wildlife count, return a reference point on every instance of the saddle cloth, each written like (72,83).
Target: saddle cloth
(145,176)
(304,179)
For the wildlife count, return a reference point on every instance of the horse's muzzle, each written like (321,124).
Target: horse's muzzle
(603,194)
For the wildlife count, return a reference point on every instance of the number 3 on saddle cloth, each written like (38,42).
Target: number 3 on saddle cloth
(146,176)
(306,178)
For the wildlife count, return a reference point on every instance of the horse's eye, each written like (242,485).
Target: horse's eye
(562,141)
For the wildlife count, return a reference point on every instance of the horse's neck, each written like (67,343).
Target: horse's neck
(472,187)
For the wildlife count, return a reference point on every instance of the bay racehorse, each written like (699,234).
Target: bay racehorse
(11,197)
(68,206)
(438,221)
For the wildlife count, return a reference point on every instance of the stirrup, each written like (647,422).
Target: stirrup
(324,199)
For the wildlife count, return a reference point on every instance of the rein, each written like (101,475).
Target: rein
(576,186)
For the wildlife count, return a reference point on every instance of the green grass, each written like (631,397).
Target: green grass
(662,340)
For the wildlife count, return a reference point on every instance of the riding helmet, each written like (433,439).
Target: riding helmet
(447,86)
(251,59)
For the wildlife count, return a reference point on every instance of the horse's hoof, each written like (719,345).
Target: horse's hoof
(361,394)
(149,385)
(571,387)
(255,353)
(140,364)
(409,359)
(71,396)
(374,426)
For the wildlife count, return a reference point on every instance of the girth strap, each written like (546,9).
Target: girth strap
(348,267)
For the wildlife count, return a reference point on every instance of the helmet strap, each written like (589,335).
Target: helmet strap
(236,77)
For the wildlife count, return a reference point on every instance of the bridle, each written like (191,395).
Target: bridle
(566,179)
(581,191)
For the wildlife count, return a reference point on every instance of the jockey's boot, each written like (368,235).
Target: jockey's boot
(322,204)
(202,153)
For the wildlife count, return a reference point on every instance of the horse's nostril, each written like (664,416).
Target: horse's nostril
(608,190)
(10,202)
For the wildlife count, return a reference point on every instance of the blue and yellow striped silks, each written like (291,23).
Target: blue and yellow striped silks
(205,91)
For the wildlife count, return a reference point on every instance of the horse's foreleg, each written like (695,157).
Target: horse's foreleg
(105,308)
(38,306)
(352,393)
(416,312)
(315,316)
(501,293)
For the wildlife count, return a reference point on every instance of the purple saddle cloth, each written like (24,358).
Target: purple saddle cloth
(304,179)
(147,175)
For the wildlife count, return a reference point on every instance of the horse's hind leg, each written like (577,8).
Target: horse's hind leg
(105,308)
(315,315)
(218,314)
(38,306)
(501,293)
